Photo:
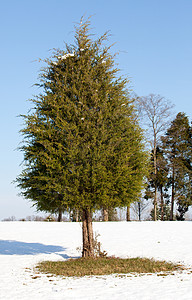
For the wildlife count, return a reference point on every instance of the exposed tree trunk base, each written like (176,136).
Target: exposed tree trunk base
(59,216)
(172,207)
(155,205)
(128,217)
(87,231)
(77,216)
(162,205)
(173,194)
(139,210)
(105,215)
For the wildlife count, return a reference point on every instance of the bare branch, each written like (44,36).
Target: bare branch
(155,114)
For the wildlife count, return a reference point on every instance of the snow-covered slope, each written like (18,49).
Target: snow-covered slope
(24,244)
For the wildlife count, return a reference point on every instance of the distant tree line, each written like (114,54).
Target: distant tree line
(173,177)
(171,158)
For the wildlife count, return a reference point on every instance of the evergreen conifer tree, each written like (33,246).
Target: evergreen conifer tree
(178,147)
(83,148)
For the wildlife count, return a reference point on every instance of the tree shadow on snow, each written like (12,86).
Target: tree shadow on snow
(10,247)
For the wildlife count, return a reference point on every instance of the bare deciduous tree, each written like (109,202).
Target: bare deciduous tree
(155,112)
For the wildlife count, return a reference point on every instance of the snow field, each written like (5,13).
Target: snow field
(24,244)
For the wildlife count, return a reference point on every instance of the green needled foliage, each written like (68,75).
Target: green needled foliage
(82,145)
(177,145)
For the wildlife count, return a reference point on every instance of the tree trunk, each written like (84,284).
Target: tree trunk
(87,231)
(173,194)
(162,204)
(128,214)
(59,215)
(77,215)
(155,204)
(139,210)
(105,215)
(155,171)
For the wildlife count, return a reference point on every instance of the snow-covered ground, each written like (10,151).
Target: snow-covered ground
(24,244)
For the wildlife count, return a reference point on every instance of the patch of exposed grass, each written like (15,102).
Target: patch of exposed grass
(105,266)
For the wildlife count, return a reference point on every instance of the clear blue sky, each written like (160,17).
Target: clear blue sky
(155,43)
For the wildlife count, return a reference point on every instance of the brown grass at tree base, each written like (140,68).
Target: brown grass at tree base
(105,266)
